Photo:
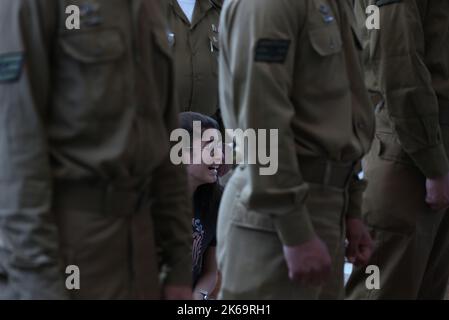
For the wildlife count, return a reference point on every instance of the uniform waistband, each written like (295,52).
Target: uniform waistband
(104,198)
(326,172)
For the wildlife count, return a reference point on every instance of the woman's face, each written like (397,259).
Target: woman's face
(204,173)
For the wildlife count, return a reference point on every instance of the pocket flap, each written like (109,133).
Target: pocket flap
(94,46)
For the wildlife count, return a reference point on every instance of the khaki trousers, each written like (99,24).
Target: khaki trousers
(251,259)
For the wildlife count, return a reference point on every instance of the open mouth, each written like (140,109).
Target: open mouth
(214,169)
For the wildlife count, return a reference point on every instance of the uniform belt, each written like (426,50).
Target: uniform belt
(104,198)
(326,172)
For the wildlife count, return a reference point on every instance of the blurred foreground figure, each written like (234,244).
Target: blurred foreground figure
(293,66)
(405,205)
(85,177)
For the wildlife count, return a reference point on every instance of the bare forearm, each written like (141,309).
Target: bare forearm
(206,283)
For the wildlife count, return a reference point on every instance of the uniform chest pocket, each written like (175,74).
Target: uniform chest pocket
(94,46)
(326,40)
(93,63)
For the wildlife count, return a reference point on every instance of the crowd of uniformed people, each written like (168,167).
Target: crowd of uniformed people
(93,207)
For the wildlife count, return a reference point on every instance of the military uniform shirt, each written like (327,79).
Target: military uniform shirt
(195,46)
(294,66)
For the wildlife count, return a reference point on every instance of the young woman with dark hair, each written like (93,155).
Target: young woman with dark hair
(206,194)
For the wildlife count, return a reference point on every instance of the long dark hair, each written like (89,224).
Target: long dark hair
(206,195)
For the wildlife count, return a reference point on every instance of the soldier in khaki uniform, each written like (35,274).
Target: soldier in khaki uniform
(195,43)
(407,72)
(85,177)
(293,66)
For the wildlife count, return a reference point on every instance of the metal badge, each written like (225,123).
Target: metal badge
(326,13)
(329,19)
(90,14)
(213,44)
(324,9)
(171,38)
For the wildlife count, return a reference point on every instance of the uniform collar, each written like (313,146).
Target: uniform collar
(178,11)
(201,9)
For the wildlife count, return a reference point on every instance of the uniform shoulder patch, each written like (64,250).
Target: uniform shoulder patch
(271,50)
(381,3)
(11,66)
